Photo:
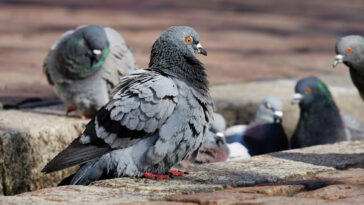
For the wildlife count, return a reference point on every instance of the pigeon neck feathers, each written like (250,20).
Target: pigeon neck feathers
(170,60)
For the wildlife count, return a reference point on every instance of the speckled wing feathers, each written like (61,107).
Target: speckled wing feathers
(134,113)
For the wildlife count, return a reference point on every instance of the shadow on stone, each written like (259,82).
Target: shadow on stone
(334,160)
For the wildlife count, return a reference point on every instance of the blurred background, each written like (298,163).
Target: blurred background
(246,40)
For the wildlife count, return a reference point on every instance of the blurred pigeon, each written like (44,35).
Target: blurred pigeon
(235,133)
(156,117)
(234,137)
(320,120)
(213,148)
(265,133)
(353,127)
(237,151)
(350,51)
(86,64)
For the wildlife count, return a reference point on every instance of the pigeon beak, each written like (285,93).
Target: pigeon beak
(96,52)
(220,134)
(201,50)
(338,59)
(278,114)
(296,98)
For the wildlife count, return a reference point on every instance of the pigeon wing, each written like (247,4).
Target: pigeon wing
(120,60)
(141,104)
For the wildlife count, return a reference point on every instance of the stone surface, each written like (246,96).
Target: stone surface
(273,190)
(334,192)
(350,176)
(222,197)
(301,176)
(77,195)
(158,189)
(27,142)
(283,200)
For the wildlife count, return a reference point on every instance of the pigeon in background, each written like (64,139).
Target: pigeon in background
(353,127)
(86,64)
(265,133)
(156,117)
(234,137)
(350,51)
(320,121)
(213,148)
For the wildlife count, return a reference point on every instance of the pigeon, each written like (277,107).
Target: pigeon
(213,148)
(234,137)
(86,64)
(320,121)
(156,117)
(265,133)
(350,51)
(354,128)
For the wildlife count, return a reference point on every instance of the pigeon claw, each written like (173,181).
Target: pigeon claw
(175,173)
(71,108)
(149,175)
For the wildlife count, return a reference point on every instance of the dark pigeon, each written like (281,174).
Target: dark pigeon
(320,121)
(86,64)
(350,51)
(265,133)
(156,117)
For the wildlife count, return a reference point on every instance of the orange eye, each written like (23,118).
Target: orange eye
(189,40)
(349,50)
(308,90)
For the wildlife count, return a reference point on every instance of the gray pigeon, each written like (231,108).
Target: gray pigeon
(86,64)
(350,51)
(213,148)
(265,133)
(156,117)
(320,120)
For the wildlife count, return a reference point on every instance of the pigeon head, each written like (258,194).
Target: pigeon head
(269,111)
(350,51)
(83,51)
(218,125)
(173,54)
(311,90)
(181,40)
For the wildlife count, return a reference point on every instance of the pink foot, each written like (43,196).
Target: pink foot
(155,176)
(175,173)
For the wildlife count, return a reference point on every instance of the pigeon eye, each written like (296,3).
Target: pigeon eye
(189,40)
(267,105)
(308,90)
(349,50)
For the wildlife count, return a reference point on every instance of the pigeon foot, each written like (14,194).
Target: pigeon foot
(70,108)
(85,117)
(175,173)
(149,175)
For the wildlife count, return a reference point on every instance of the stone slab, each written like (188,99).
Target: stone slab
(27,142)
(275,168)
